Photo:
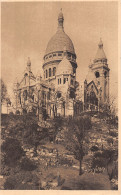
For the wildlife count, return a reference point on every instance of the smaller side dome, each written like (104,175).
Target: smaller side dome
(64,67)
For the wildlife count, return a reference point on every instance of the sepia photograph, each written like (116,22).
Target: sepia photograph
(59,95)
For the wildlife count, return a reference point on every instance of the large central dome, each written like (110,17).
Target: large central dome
(60,39)
(58,42)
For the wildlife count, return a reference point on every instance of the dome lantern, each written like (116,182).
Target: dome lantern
(60,19)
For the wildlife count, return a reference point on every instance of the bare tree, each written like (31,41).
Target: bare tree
(4,95)
(76,137)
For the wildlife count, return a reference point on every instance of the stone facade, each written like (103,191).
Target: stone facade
(56,92)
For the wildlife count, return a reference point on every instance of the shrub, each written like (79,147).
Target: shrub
(98,155)
(65,161)
(10,183)
(110,140)
(98,162)
(113,134)
(22,181)
(11,113)
(17,112)
(27,165)
(94,148)
(12,151)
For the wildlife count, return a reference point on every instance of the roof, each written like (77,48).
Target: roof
(100,52)
(92,82)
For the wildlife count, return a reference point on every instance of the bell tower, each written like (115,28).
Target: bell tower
(100,71)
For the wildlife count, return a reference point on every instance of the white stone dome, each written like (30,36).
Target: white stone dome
(64,67)
(60,39)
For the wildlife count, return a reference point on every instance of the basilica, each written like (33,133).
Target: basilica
(56,92)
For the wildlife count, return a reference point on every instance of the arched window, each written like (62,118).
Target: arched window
(92,97)
(64,81)
(69,55)
(46,73)
(97,74)
(49,72)
(72,94)
(25,94)
(54,70)
(105,74)
(60,80)
(54,54)
(71,82)
(20,99)
(58,94)
(48,95)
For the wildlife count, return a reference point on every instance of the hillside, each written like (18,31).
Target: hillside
(56,166)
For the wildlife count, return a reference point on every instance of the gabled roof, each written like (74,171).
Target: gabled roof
(92,82)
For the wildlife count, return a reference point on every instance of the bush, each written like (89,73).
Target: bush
(110,140)
(65,161)
(5,170)
(12,151)
(101,159)
(94,148)
(10,183)
(27,165)
(17,112)
(98,155)
(98,162)
(11,113)
(22,181)
(113,134)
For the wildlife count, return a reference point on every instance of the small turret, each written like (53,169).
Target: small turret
(100,56)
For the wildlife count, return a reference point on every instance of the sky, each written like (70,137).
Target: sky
(26,28)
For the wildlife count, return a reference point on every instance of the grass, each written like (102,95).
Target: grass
(87,181)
